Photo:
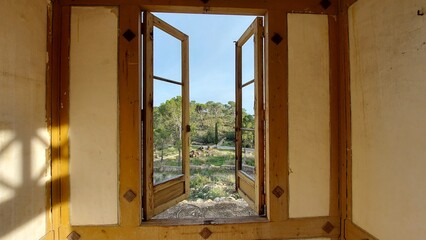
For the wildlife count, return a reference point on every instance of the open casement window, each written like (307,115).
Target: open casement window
(249,129)
(161,191)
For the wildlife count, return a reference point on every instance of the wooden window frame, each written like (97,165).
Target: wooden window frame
(251,189)
(158,197)
(278,224)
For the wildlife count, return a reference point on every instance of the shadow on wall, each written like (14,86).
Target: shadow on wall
(23,179)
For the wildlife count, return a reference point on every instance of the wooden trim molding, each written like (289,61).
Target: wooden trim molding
(251,7)
(129,100)
(354,232)
(345,192)
(290,229)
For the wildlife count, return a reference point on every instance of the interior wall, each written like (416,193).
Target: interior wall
(388,97)
(93,116)
(309,115)
(23,133)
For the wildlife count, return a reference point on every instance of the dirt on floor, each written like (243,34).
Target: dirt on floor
(218,208)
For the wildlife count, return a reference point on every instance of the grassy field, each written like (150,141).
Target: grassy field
(212,173)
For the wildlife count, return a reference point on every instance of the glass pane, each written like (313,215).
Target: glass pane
(248,134)
(167,131)
(248,159)
(248,106)
(248,60)
(167,60)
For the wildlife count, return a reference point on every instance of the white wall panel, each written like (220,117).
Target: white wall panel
(309,115)
(388,94)
(93,130)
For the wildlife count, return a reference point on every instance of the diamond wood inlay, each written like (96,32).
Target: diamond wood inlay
(325,3)
(73,236)
(129,195)
(278,191)
(129,35)
(277,38)
(205,233)
(328,227)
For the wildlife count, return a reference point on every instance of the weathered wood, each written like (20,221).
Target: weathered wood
(168,194)
(294,228)
(129,116)
(334,117)
(185,114)
(259,132)
(276,63)
(169,183)
(253,7)
(354,232)
(246,189)
(64,117)
(248,33)
(53,111)
(238,112)
(345,159)
(254,195)
(49,115)
(148,125)
(203,221)
(345,4)
(165,194)
(167,28)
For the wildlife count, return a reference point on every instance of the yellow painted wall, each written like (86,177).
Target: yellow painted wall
(309,115)
(23,134)
(388,93)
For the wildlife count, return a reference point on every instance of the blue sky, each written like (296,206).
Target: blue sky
(212,57)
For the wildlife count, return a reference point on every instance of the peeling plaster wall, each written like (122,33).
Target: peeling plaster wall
(23,133)
(388,92)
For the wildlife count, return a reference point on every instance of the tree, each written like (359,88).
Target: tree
(211,122)
(168,125)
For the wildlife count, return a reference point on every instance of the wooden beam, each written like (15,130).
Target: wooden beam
(252,7)
(53,106)
(49,114)
(345,158)
(345,4)
(63,173)
(276,83)
(148,125)
(130,116)
(334,116)
(259,196)
(186,128)
(354,232)
(294,228)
